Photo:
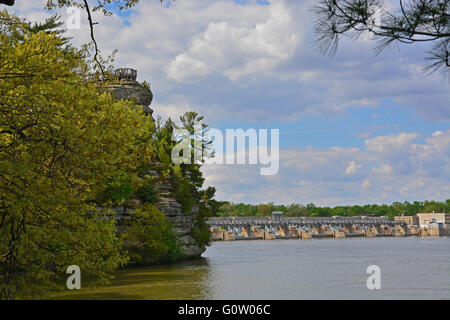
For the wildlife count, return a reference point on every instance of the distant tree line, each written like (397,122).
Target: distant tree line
(310,210)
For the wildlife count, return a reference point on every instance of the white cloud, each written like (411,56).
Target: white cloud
(434,156)
(194,52)
(185,66)
(248,58)
(383,169)
(390,143)
(337,176)
(352,168)
(234,50)
(366,184)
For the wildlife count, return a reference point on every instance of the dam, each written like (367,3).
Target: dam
(271,228)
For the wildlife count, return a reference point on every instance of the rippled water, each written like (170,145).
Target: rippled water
(411,268)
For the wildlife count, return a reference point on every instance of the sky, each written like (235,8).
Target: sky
(355,128)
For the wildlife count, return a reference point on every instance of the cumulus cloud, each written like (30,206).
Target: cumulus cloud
(433,157)
(243,60)
(352,168)
(185,66)
(366,184)
(391,143)
(383,169)
(345,175)
(236,51)
(248,62)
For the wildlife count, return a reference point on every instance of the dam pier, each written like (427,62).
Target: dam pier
(271,228)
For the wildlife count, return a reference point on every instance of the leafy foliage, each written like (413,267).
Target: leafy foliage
(60,141)
(119,188)
(187,178)
(149,238)
(147,193)
(66,151)
(145,85)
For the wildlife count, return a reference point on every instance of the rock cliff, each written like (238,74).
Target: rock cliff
(130,89)
(183,223)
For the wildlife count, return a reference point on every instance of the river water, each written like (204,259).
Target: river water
(411,268)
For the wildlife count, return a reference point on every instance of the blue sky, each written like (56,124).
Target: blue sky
(355,128)
(348,129)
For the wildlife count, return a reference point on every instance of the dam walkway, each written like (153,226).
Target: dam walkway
(270,228)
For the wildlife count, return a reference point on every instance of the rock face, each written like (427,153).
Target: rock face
(182,222)
(130,89)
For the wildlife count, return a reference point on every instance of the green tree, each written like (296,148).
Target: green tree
(60,142)
(447,205)
(265,209)
(296,210)
(148,237)
(187,178)
(432,207)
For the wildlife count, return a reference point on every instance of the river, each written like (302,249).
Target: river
(411,268)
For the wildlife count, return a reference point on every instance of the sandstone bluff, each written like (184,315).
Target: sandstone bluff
(183,223)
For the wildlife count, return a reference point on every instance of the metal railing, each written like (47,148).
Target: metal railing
(126,73)
(255,221)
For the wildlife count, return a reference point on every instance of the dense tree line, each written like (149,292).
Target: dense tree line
(310,210)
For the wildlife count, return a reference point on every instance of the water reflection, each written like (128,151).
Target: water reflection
(187,280)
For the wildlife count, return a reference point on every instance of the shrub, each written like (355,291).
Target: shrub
(149,239)
(147,193)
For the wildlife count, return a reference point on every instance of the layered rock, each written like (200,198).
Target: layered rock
(183,223)
(133,90)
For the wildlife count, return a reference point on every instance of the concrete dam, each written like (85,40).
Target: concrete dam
(271,228)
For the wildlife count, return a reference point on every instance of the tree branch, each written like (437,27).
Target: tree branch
(7,2)
(97,51)
(414,21)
